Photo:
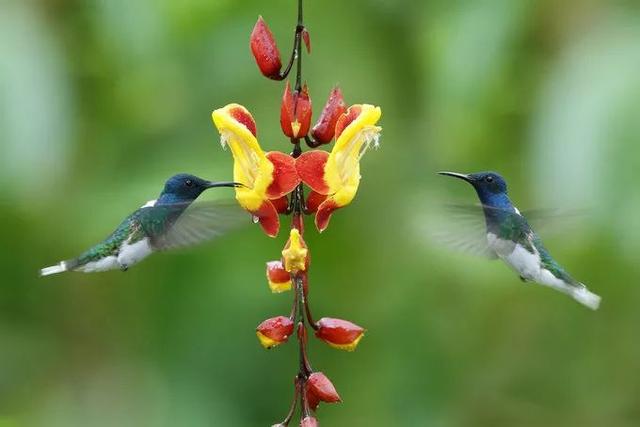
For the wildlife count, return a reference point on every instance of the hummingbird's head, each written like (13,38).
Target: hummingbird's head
(186,188)
(488,185)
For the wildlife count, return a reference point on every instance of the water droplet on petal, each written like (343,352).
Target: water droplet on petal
(255,219)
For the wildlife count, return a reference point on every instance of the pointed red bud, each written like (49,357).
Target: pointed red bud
(279,278)
(295,112)
(324,129)
(274,331)
(321,387)
(338,333)
(265,50)
(307,40)
(309,422)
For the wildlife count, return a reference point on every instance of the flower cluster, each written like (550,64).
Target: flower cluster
(274,184)
(268,178)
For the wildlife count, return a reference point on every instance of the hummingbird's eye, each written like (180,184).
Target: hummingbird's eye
(489,178)
(188,183)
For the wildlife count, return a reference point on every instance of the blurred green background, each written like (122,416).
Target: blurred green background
(101,101)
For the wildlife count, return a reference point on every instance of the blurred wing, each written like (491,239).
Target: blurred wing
(201,222)
(546,221)
(554,221)
(462,228)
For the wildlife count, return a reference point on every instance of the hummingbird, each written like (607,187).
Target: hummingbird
(510,238)
(159,224)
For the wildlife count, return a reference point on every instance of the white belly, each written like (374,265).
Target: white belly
(104,264)
(528,265)
(132,253)
(525,263)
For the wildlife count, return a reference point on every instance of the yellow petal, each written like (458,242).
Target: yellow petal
(342,171)
(251,166)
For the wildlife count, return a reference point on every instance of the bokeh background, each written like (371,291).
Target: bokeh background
(101,101)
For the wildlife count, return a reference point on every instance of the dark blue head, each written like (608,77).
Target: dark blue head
(185,188)
(490,186)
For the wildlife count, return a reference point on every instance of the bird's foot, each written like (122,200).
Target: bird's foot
(124,267)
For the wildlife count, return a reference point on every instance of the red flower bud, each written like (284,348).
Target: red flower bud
(274,331)
(265,50)
(306,39)
(309,422)
(279,278)
(339,333)
(324,129)
(320,389)
(295,112)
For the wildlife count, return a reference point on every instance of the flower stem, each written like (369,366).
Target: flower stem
(299,29)
(300,308)
(294,403)
(296,52)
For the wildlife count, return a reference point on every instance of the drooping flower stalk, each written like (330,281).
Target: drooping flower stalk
(274,185)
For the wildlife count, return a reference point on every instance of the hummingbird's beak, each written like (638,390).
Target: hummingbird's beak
(462,176)
(212,184)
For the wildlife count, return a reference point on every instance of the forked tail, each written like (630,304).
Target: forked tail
(61,267)
(585,297)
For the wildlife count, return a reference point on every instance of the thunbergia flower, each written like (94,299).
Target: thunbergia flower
(267,177)
(335,176)
(274,184)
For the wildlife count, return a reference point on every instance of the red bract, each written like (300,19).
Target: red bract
(324,129)
(274,331)
(309,422)
(295,112)
(265,50)
(339,333)
(306,39)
